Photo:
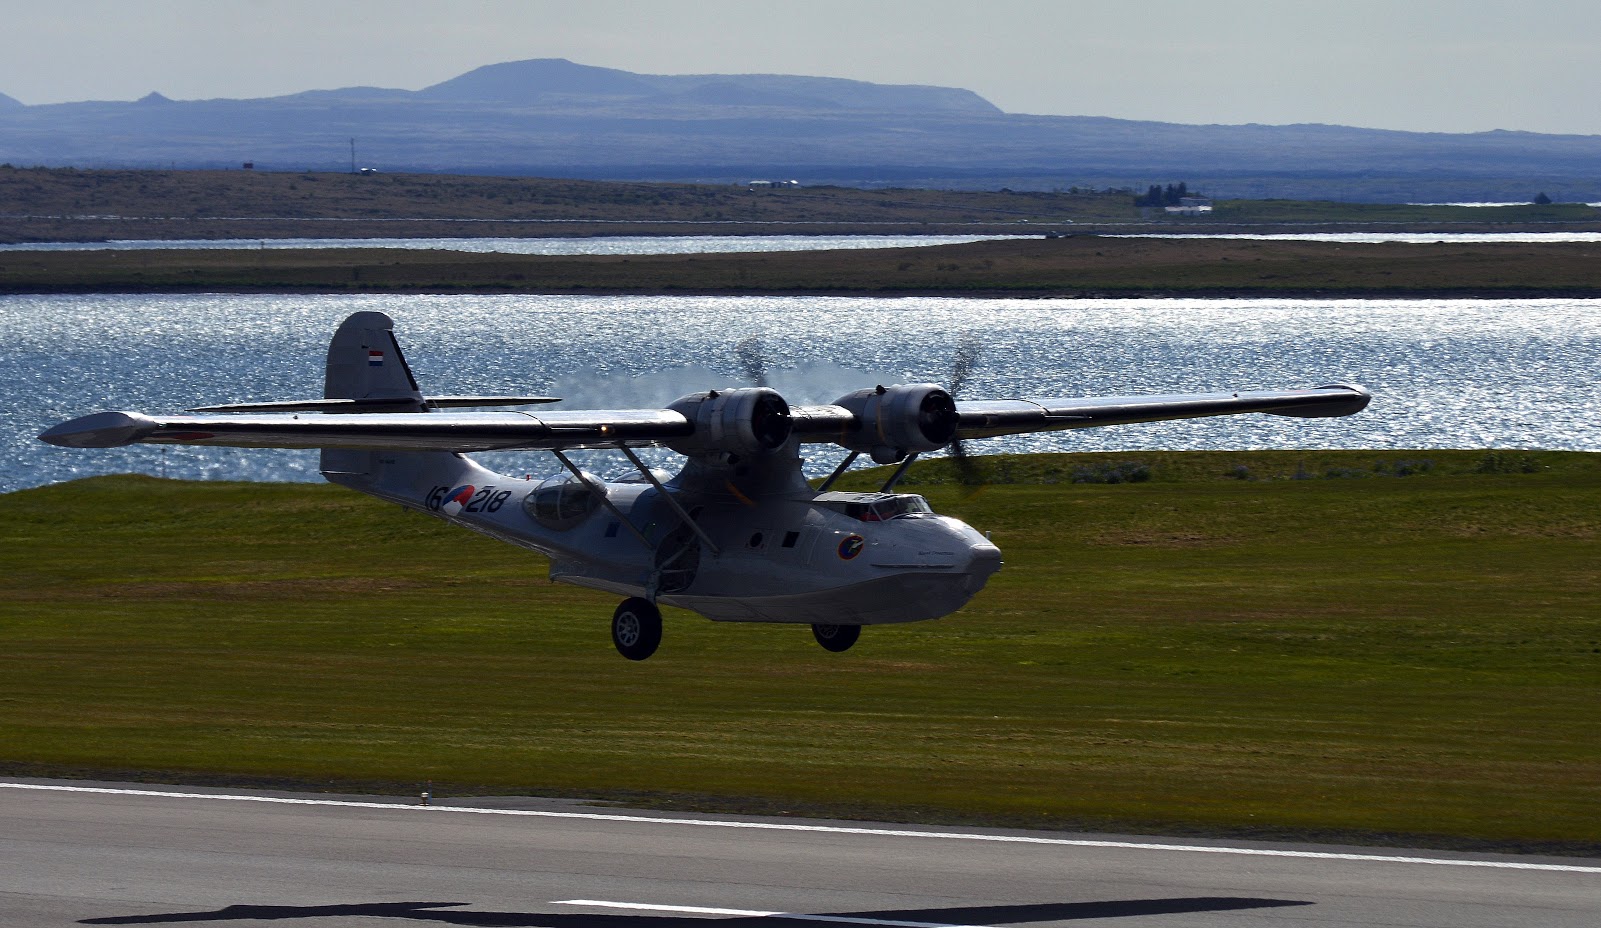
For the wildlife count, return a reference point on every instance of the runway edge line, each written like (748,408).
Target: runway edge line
(821,829)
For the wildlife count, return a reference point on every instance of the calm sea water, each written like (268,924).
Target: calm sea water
(1447,373)
(1417,238)
(1379,237)
(710,244)
(599,245)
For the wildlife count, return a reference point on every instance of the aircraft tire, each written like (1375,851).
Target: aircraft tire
(836,637)
(636,628)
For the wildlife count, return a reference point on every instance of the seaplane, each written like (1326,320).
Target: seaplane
(738,534)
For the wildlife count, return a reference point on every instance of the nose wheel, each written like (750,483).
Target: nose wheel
(636,628)
(836,637)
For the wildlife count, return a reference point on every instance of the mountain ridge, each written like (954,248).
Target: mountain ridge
(553,117)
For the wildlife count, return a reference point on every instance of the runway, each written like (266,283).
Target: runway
(108,854)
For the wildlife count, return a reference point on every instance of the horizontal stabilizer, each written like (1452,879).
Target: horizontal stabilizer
(466,402)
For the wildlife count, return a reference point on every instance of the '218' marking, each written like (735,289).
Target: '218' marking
(467,498)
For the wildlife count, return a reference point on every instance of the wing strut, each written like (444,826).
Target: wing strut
(839,471)
(671,502)
(605,500)
(899,472)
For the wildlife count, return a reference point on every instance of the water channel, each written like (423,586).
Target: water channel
(1446,373)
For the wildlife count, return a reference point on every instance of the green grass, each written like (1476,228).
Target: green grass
(1076,266)
(1312,646)
(67,204)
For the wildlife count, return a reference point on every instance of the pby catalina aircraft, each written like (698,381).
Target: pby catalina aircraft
(738,535)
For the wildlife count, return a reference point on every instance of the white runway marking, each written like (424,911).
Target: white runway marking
(823,829)
(750,913)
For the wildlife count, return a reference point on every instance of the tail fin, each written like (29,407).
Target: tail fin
(365,363)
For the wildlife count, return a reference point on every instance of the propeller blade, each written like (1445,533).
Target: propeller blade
(751,361)
(966,356)
(968,472)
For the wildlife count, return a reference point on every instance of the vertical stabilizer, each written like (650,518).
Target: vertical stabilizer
(365,363)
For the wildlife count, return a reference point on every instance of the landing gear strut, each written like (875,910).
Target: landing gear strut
(636,628)
(836,637)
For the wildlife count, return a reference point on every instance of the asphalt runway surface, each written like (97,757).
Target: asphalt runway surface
(108,854)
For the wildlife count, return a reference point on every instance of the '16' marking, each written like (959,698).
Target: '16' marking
(467,498)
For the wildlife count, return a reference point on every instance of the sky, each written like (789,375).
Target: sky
(1420,65)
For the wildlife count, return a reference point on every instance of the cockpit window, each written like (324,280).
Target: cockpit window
(874,507)
(563,501)
(661,474)
(898,506)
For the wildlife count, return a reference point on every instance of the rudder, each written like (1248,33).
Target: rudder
(365,363)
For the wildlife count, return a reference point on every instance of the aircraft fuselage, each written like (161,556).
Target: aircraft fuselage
(792,556)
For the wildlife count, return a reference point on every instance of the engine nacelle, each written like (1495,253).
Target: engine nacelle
(735,423)
(900,420)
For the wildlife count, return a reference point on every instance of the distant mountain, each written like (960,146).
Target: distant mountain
(526,82)
(553,117)
(6,101)
(553,81)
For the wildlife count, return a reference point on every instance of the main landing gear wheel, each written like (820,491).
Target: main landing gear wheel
(836,637)
(636,628)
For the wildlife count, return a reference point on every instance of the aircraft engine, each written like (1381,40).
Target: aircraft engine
(736,423)
(900,420)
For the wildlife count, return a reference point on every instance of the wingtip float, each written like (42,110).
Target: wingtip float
(100,430)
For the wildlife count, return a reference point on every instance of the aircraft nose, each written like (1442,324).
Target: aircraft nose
(984,559)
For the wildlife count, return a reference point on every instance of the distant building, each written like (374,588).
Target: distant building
(1191,206)
(769,184)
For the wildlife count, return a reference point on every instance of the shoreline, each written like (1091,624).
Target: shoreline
(997,294)
(1079,266)
(19,230)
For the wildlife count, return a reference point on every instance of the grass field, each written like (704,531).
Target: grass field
(1395,647)
(71,205)
(38,204)
(1077,266)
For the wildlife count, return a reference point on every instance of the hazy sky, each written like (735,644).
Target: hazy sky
(1433,65)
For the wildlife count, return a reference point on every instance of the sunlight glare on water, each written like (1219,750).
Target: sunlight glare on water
(1445,373)
(588,245)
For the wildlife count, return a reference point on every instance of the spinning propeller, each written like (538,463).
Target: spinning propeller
(968,473)
(937,415)
(751,361)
